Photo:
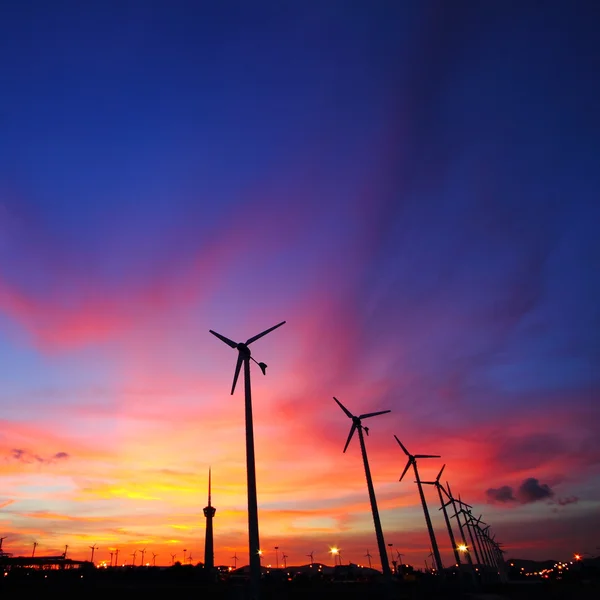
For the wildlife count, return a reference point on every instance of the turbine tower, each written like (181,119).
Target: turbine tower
(357,425)
(94,548)
(412,460)
(209,513)
(440,488)
(311,558)
(368,555)
(244,357)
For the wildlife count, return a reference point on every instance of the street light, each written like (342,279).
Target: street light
(334,552)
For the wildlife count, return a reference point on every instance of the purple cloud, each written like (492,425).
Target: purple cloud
(502,494)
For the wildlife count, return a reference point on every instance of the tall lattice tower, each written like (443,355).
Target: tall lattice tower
(209,513)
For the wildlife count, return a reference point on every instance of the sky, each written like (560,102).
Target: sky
(413,187)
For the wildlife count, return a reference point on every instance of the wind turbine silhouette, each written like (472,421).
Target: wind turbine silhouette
(440,488)
(65,552)
(173,558)
(357,425)
(93,550)
(154,559)
(412,460)
(284,557)
(368,555)
(133,555)
(235,559)
(142,552)
(116,557)
(311,558)
(452,501)
(111,556)
(35,545)
(244,357)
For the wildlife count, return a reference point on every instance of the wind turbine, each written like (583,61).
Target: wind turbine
(412,460)
(133,555)
(311,558)
(399,556)
(111,555)
(464,547)
(35,544)
(190,558)
(93,550)
(235,559)
(461,511)
(154,559)
(65,552)
(276,548)
(116,557)
(284,558)
(173,558)
(439,487)
(368,555)
(357,425)
(1,540)
(244,357)
(142,552)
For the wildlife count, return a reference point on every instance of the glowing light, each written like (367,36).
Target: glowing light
(334,551)
(260,552)
(577,556)
(463,548)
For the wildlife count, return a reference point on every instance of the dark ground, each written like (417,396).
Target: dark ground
(72,585)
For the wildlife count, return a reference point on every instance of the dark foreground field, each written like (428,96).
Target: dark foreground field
(102,585)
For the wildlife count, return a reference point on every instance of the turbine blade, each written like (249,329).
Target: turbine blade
(238,366)
(348,413)
(404,472)
(257,337)
(440,473)
(427,482)
(427,456)
(402,446)
(381,412)
(224,339)
(352,430)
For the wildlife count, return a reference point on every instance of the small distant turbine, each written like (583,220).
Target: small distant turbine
(94,547)
(116,557)
(311,558)
(35,544)
(235,559)
(284,557)
(244,357)
(357,425)
(368,555)
(276,548)
(173,558)
(133,556)
(154,559)
(142,552)
(111,557)
(412,460)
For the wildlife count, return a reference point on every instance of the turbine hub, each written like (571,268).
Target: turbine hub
(243,349)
